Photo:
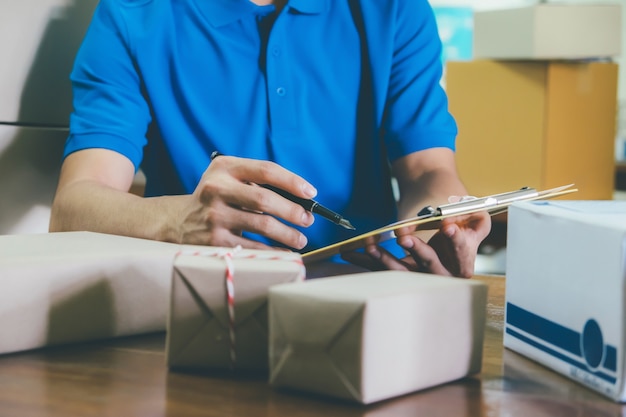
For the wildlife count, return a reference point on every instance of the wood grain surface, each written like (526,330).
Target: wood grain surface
(128,377)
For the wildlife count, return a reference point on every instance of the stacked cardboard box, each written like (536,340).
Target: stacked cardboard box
(530,111)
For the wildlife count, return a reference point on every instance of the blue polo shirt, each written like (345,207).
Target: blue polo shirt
(331,90)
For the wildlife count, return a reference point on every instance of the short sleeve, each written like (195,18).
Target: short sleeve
(416,111)
(110,110)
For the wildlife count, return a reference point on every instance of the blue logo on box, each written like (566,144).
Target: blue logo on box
(585,350)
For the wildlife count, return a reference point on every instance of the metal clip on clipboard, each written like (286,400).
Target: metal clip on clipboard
(428,218)
(489,203)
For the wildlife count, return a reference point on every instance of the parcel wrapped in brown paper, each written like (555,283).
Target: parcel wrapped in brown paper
(372,336)
(218,312)
(60,288)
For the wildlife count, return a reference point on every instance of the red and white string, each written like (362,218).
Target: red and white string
(230,300)
(228,255)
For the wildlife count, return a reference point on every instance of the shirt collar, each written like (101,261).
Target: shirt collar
(309,6)
(222,12)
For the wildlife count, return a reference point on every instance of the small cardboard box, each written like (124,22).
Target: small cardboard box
(59,288)
(549,31)
(565,289)
(375,335)
(535,124)
(214,327)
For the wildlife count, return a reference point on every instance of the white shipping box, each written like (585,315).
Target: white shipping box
(565,289)
(60,288)
(375,335)
(549,31)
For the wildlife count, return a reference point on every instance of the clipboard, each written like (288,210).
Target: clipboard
(429,218)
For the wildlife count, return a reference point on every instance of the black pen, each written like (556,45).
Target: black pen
(309,205)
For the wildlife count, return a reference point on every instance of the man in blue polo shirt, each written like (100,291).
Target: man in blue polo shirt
(322,98)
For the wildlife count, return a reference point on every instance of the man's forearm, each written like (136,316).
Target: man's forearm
(90,206)
(426,177)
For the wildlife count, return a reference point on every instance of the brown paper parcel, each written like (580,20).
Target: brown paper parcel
(198,336)
(372,336)
(60,288)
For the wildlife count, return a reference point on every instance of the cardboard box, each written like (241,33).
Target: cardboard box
(59,288)
(549,31)
(199,324)
(536,124)
(565,289)
(41,38)
(372,336)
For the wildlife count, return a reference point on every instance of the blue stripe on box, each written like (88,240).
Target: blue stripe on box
(559,336)
(544,329)
(610,358)
(608,378)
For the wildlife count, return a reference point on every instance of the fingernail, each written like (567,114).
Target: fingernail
(406,243)
(307,218)
(449,231)
(302,241)
(374,252)
(309,190)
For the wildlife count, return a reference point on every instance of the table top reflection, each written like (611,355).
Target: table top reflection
(128,377)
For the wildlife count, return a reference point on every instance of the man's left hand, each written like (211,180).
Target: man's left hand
(450,251)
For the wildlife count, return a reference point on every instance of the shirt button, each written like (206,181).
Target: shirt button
(276,51)
(280,91)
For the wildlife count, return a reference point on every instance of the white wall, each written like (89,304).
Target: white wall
(40,40)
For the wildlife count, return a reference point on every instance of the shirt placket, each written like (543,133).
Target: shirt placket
(281,91)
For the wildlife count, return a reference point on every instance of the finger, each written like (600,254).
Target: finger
(425,257)
(219,219)
(479,223)
(376,258)
(385,258)
(463,250)
(243,193)
(262,224)
(250,197)
(403,231)
(219,236)
(267,201)
(363,260)
(276,230)
(266,172)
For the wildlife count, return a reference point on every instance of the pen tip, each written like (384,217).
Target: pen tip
(345,223)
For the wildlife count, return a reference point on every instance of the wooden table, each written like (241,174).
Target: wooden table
(128,377)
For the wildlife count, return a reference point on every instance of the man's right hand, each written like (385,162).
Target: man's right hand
(227,202)
(93,195)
